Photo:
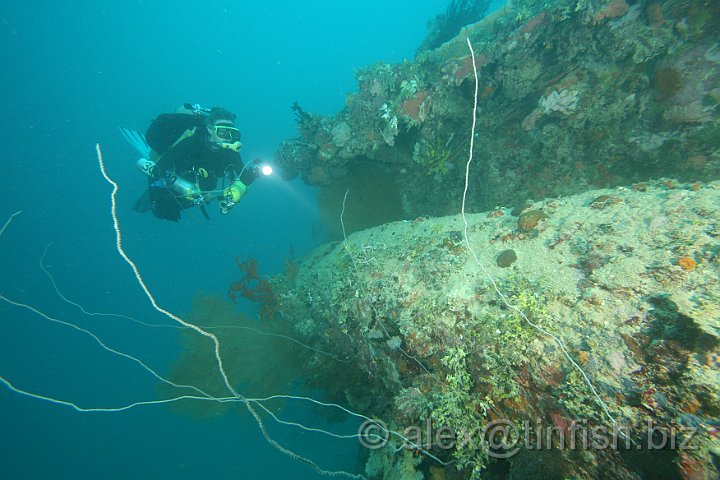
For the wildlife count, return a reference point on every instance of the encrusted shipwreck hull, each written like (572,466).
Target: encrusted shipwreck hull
(573,95)
(626,280)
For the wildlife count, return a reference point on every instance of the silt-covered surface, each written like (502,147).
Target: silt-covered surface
(627,280)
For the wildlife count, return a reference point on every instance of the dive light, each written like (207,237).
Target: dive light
(260,168)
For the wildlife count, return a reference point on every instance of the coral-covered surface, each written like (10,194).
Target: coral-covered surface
(621,285)
(594,301)
(573,95)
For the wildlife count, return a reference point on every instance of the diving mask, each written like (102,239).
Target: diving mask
(227,133)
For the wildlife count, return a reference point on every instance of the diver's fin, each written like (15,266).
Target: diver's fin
(137,140)
(143,204)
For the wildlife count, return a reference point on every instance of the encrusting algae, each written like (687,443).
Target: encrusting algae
(422,328)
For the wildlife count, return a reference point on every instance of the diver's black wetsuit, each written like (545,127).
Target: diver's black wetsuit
(191,159)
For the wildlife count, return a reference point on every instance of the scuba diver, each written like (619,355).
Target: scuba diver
(184,154)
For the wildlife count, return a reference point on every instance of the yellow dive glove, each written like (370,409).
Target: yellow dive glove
(232,195)
(235,191)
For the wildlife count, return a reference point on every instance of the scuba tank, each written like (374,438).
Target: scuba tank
(177,184)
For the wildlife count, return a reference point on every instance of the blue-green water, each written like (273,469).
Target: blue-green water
(71,74)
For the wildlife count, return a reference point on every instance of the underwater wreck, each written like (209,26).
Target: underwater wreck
(594,301)
(627,280)
(574,95)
